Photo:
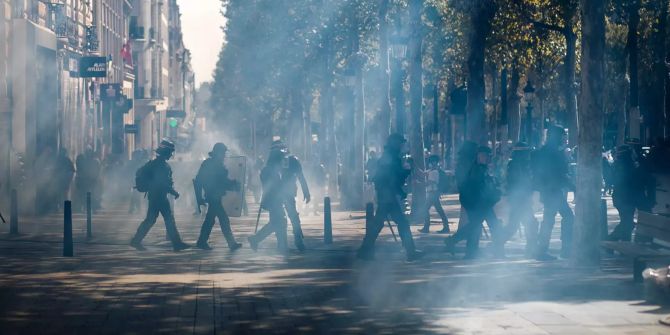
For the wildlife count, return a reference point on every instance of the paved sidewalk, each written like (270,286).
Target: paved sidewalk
(109,288)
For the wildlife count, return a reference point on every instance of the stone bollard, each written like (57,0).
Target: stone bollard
(89,219)
(14,215)
(68,245)
(327,222)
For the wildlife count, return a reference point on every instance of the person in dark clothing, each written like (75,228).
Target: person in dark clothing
(88,169)
(389,181)
(629,192)
(63,178)
(213,179)
(551,173)
(139,157)
(274,197)
(520,200)
(291,174)
(433,195)
(478,195)
(371,166)
(159,181)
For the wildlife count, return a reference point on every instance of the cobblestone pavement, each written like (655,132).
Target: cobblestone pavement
(110,288)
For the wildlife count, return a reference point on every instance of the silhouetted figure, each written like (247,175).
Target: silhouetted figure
(389,181)
(466,157)
(371,166)
(478,195)
(274,197)
(155,178)
(629,192)
(520,200)
(213,178)
(551,171)
(139,157)
(87,179)
(64,172)
(292,173)
(45,178)
(433,175)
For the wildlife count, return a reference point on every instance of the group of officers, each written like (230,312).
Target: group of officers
(279,177)
(545,170)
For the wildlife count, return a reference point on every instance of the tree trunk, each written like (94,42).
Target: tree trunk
(416,100)
(632,49)
(358,149)
(327,136)
(480,19)
(513,105)
(385,116)
(589,165)
(572,118)
(656,118)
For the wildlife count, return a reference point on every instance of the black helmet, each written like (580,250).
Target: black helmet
(166,147)
(218,150)
(395,141)
(279,145)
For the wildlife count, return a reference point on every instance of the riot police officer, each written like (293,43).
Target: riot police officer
(628,192)
(478,195)
(389,181)
(292,173)
(551,171)
(273,200)
(520,199)
(156,177)
(433,195)
(213,179)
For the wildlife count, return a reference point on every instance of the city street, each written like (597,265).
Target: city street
(110,288)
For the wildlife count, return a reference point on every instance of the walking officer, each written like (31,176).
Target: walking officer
(551,171)
(274,196)
(292,173)
(478,196)
(389,180)
(520,199)
(155,178)
(212,178)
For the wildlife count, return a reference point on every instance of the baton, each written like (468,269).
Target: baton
(2,218)
(258,218)
(392,232)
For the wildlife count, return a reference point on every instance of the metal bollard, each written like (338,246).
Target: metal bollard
(327,222)
(68,247)
(89,223)
(369,214)
(14,214)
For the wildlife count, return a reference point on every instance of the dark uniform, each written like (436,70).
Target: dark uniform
(520,199)
(628,193)
(160,186)
(213,178)
(478,196)
(291,175)
(551,172)
(389,181)
(273,201)
(433,195)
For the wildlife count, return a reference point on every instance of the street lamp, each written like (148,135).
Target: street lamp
(398,51)
(528,94)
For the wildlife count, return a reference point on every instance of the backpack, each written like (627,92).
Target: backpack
(144,177)
(443,184)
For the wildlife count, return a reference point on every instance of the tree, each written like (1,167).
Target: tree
(416,105)
(481,17)
(589,165)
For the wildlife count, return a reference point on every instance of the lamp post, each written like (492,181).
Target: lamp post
(528,94)
(398,51)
